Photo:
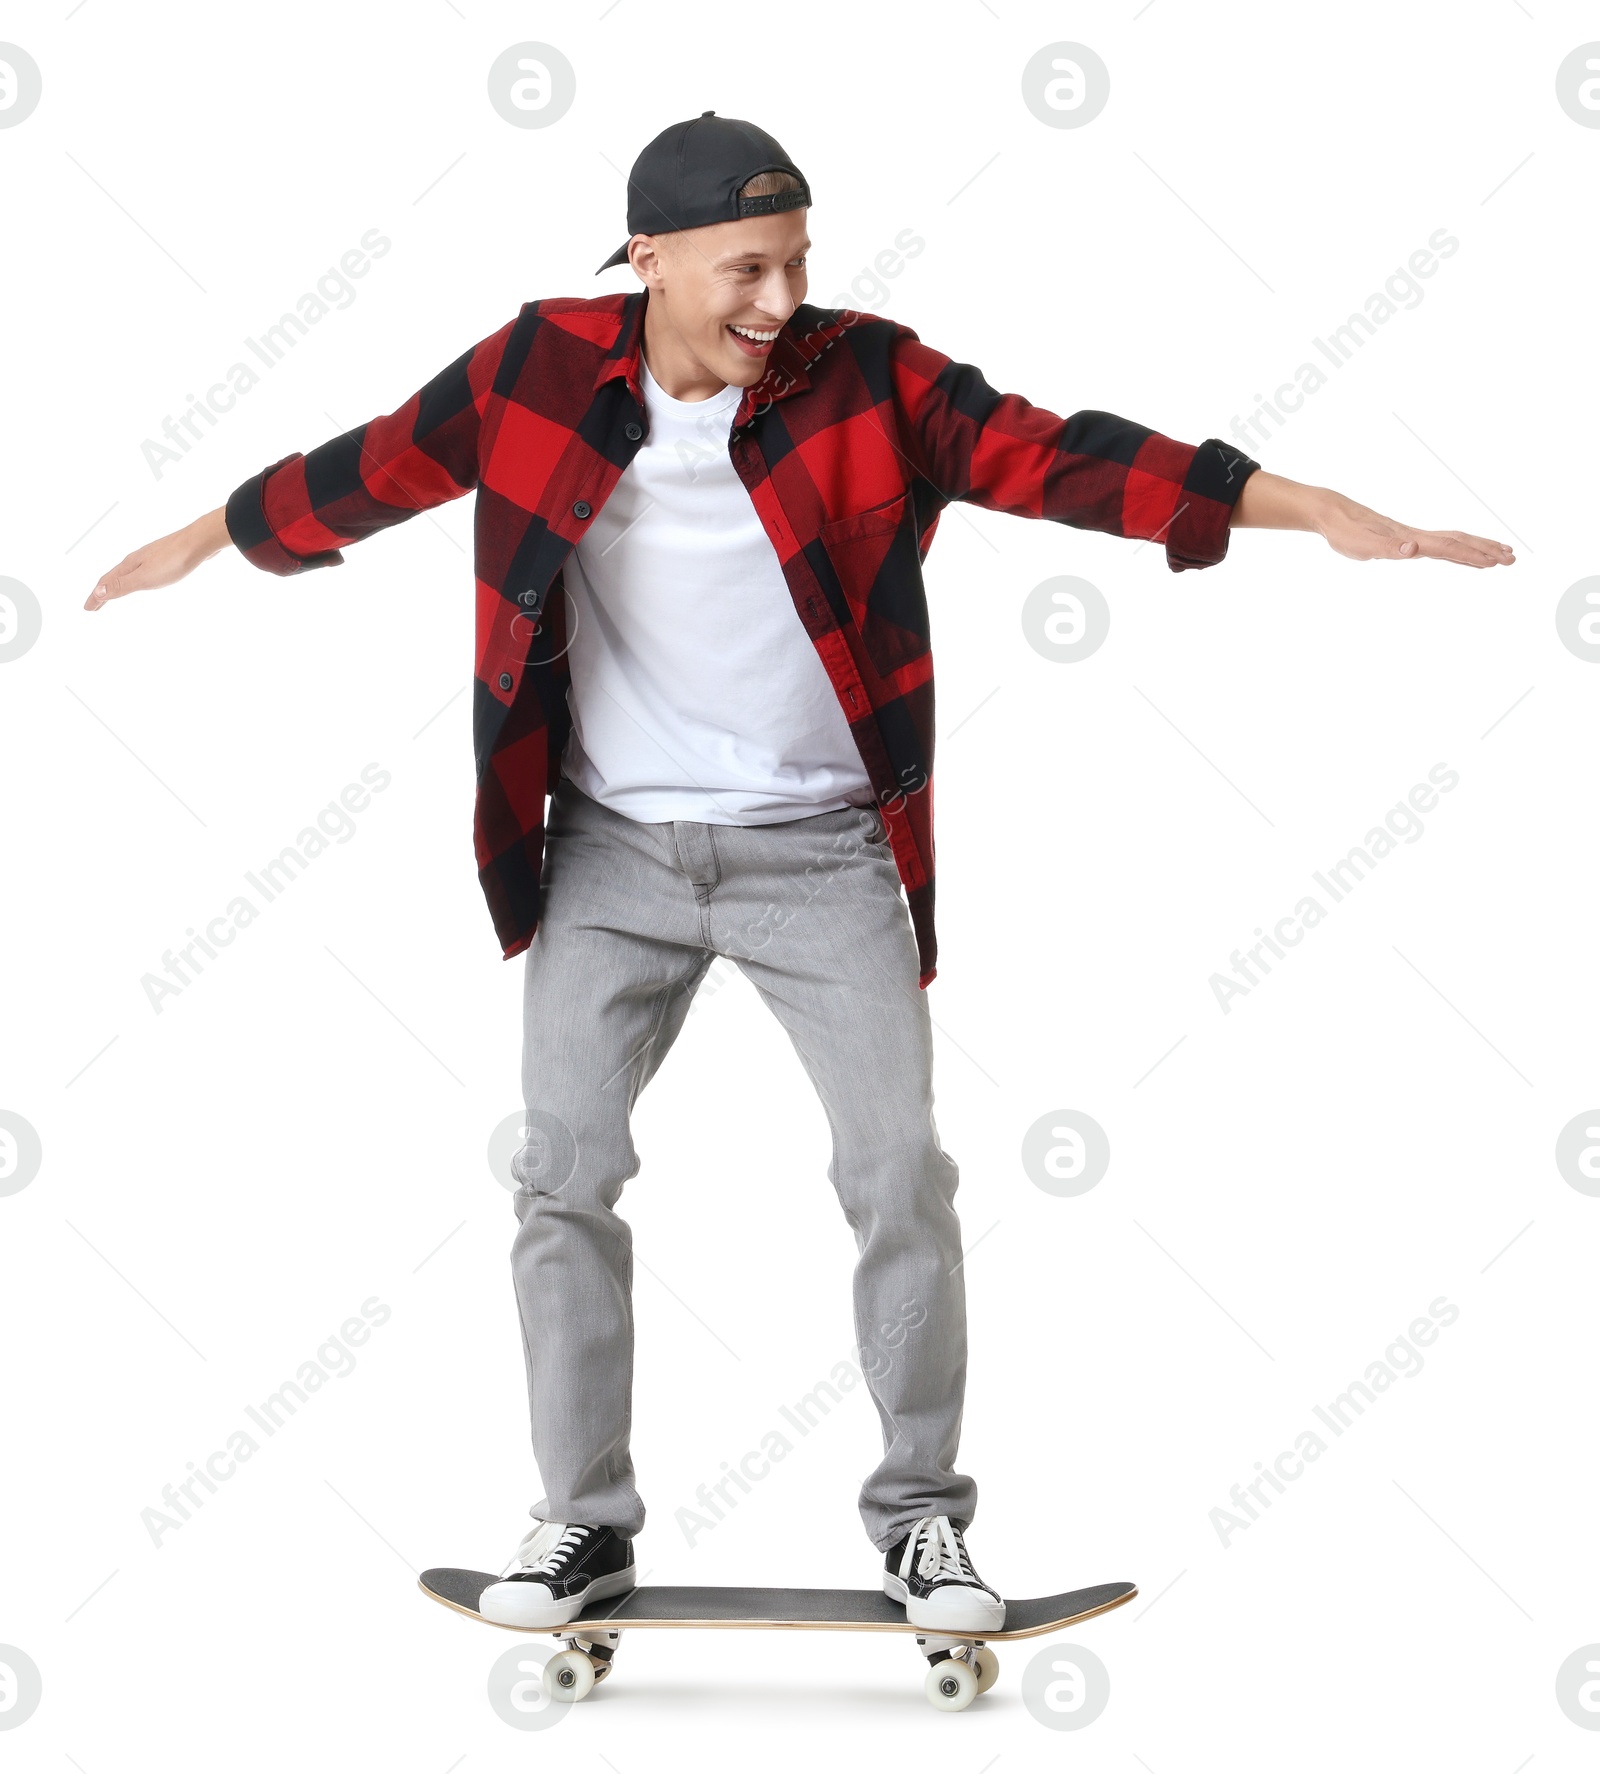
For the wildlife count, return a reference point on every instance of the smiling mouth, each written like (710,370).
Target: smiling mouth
(753,341)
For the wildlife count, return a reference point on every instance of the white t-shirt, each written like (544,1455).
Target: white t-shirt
(696,691)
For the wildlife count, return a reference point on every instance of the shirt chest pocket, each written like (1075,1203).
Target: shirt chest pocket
(874,560)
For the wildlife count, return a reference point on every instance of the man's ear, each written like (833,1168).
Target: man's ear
(646,257)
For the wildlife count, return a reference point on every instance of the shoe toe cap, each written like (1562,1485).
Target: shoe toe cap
(961,1608)
(515,1604)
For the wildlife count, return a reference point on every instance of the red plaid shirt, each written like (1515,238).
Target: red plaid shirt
(851,445)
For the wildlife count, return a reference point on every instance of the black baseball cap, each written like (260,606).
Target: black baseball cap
(690,175)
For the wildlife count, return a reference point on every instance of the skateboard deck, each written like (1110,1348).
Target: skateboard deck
(961,1665)
(839,1610)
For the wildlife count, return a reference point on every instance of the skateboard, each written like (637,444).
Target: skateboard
(960,1666)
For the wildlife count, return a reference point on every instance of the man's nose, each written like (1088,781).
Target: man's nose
(774,298)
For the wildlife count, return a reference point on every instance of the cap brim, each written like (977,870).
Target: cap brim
(619,257)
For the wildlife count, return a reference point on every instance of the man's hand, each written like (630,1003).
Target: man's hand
(1269,502)
(163,561)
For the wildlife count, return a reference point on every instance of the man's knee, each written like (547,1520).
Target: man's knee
(580,1156)
(889,1164)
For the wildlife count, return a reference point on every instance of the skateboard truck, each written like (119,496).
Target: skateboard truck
(959,1669)
(585,1658)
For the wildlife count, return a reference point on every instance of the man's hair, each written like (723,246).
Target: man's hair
(769,184)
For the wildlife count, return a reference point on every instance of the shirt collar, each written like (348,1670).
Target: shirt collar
(786,372)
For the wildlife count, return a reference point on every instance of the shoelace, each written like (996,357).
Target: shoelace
(547,1546)
(938,1549)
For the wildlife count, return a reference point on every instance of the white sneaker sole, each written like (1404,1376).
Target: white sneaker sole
(531,1604)
(951,1608)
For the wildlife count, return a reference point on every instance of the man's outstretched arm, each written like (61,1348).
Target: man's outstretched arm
(1097,471)
(298,513)
(1269,502)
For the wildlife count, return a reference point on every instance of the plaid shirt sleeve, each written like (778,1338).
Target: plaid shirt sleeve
(1093,470)
(299,511)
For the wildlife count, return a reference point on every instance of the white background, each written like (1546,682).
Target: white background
(305,1127)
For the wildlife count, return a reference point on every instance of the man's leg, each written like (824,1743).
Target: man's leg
(811,911)
(610,976)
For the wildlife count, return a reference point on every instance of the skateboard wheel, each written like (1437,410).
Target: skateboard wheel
(987,1668)
(951,1684)
(568,1676)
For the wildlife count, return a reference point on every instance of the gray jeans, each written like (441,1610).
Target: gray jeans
(811,912)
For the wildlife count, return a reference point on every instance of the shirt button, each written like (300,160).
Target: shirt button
(582,508)
(633,429)
(505,680)
(529,597)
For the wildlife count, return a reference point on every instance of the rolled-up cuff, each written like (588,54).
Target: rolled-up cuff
(249,531)
(1199,531)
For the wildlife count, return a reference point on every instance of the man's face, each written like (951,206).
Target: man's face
(717,285)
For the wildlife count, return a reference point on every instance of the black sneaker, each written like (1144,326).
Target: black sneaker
(930,1571)
(559,1568)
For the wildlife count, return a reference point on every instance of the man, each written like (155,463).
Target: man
(701,633)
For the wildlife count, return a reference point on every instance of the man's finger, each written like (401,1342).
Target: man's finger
(1502,549)
(114,585)
(1446,548)
(117,583)
(1483,545)
(1453,545)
